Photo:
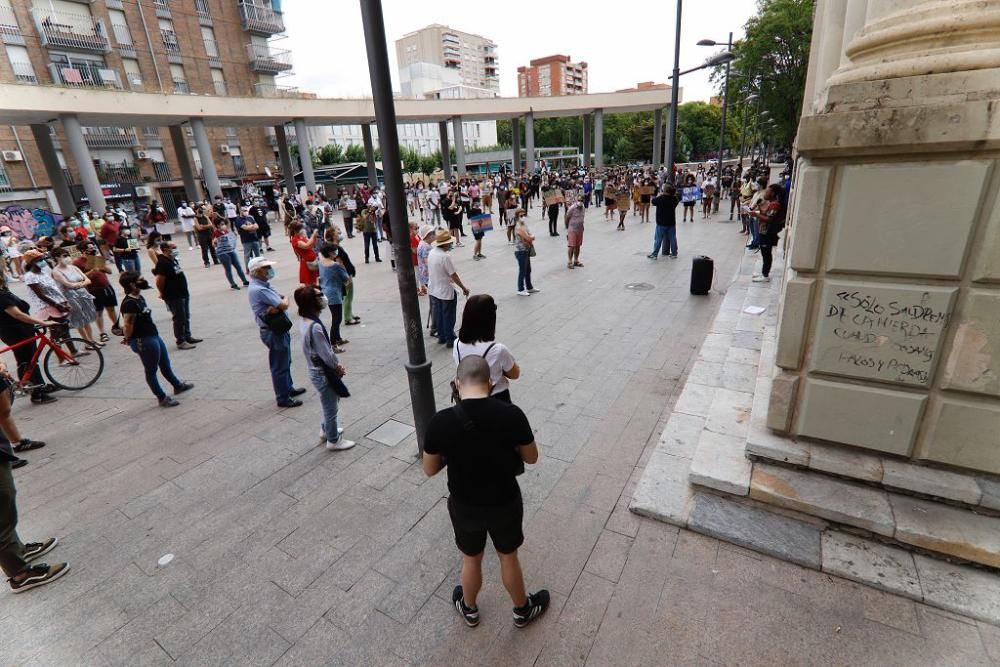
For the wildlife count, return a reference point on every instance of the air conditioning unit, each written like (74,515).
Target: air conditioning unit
(12,156)
(224,148)
(143,191)
(141,155)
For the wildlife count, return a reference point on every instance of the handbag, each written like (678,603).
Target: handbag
(531,250)
(332,379)
(277,322)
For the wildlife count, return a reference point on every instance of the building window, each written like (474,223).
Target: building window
(119,26)
(8,20)
(201,6)
(180,80)
(21,64)
(211,46)
(239,167)
(133,75)
(169,36)
(82,70)
(219,81)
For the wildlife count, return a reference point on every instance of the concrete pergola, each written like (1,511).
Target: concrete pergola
(37,106)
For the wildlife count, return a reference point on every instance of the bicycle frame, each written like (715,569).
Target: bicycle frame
(45,341)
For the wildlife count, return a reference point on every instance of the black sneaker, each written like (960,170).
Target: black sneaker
(182,387)
(168,402)
(42,399)
(194,341)
(33,550)
(469,614)
(38,575)
(18,463)
(290,403)
(296,391)
(26,445)
(536,606)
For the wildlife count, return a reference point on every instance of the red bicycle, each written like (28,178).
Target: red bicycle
(69,363)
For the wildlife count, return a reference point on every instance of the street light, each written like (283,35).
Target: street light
(725,98)
(418,368)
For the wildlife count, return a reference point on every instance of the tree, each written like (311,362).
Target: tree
(772,61)
(430,163)
(354,153)
(411,160)
(329,154)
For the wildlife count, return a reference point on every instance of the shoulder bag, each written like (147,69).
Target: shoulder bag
(277,322)
(332,379)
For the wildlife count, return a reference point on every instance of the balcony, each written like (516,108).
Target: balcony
(23,71)
(4,181)
(272,140)
(266,60)
(181,87)
(272,90)
(84,76)
(261,20)
(62,30)
(10,31)
(110,137)
(212,49)
(171,46)
(162,8)
(123,172)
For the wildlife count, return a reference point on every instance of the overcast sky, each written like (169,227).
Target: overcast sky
(621,46)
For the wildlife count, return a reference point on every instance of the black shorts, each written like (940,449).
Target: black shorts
(104,298)
(473,522)
(689,204)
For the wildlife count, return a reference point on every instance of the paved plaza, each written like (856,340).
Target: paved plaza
(287,554)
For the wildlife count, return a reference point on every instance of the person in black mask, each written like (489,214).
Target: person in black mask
(144,339)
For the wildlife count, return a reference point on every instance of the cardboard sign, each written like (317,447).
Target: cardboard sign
(647,190)
(622,201)
(481,223)
(133,244)
(554,197)
(95,262)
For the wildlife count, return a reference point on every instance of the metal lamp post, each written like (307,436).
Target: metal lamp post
(418,368)
(743,130)
(674,85)
(725,97)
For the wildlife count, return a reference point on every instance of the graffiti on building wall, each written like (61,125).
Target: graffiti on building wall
(30,224)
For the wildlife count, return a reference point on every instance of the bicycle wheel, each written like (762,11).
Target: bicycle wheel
(83,371)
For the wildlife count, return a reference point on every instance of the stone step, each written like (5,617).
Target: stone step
(933,526)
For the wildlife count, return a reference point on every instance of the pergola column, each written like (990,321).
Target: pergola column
(445,150)
(285,157)
(586,141)
(305,157)
(456,127)
(185,163)
(529,141)
(599,138)
(208,171)
(657,138)
(366,137)
(81,155)
(64,196)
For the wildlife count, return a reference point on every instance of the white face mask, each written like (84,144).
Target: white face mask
(324,302)
(65,261)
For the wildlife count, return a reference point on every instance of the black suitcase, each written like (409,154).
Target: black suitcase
(702,271)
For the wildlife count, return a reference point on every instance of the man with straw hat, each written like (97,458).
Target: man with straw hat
(442,279)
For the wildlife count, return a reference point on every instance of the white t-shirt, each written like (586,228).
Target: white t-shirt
(439,270)
(498,357)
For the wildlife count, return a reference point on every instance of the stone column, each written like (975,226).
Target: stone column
(81,156)
(208,171)
(890,319)
(657,138)
(456,128)
(185,163)
(285,157)
(445,150)
(586,141)
(529,141)
(305,157)
(515,142)
(366,138)
(599,138)
(47,149)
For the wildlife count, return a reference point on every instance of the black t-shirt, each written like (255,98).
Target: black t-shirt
(175,284)
(666,205)
(246,235)
(143,325)
(259,215)
(13,330)
(483,462)
(122,243)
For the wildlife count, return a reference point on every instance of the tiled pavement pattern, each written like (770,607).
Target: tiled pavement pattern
(291,555)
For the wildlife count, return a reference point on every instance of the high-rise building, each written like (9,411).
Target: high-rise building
(552,76)
(472,57)
(201,47)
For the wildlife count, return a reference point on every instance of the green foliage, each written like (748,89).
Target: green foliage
(430,163)
(772,61)
(411,159)
(329,154)
(354,153)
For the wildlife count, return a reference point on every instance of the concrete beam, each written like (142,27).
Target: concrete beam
(456,125)
(305,157)
(366,138)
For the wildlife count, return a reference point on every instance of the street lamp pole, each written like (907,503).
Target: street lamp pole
(418,368)
(674,85)
(725,98)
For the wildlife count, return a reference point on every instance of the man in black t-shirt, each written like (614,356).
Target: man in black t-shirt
(172,285)
(484,442)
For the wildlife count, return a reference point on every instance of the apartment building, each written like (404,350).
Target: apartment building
(472,57)
(551,76)
(200,47)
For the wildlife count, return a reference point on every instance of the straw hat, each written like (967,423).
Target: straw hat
(32,254)
(443,238)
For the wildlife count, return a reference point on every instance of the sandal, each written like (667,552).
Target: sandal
(105,338)
(577,264)
(341,342)
(355,319)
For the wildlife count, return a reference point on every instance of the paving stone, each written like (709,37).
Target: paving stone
(696,399)
(991,492)
(391,433)
(868,562)
(891,610)
(720,463)
(680,435)
(756,529)
(845,461)
(663,491)
(824,497)
(609,555)
(765,444)
(730,413)
(931,481)
(964,590)
(948,530)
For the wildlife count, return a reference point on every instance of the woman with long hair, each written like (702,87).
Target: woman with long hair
(333,282)
(477,337)
(321,360)
(304,248)
(74,284)
(524,248)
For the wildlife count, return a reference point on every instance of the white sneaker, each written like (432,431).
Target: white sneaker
(190,247)
(760,279)
(534,290)
(322,434)
(340,445)
(524,293)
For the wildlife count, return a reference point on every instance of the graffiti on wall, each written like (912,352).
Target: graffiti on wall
(29,224)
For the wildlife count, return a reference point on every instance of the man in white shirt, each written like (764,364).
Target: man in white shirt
(441,282)
(375,207)
(186,214)
(231,212)
(434,205)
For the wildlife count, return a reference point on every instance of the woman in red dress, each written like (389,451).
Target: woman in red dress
(304,248)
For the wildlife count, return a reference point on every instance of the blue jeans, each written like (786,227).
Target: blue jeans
(229,262)
(330,402)
(445,312)
(523,270)
(665,241)
(279,356)
(754,232)
(131,265)
(153,353)
(250,249)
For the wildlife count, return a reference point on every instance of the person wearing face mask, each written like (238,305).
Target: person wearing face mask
(107,237)
(172,285)
(187,215)
(269,307)
(225,249)
(333,282)
(16,269)
(46,299)
(321,358)
(105,300)
(126,251)
(143,338)
(74,283)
